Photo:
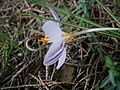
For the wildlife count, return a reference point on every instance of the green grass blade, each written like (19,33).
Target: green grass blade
(65,12)
(111,33)
(111,77)
(104,82)
(60,21)
(5,56)
(108,11)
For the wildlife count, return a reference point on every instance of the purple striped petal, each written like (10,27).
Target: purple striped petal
(54,53)
(61,59)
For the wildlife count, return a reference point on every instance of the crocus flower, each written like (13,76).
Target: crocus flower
(58,38)
(57,50)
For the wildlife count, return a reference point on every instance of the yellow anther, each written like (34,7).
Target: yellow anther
(68,37)
(43,40)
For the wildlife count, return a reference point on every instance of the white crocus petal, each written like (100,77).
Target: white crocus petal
(61,59)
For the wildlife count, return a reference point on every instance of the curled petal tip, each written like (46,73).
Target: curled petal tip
(61,59)
(54,53)
(54,13)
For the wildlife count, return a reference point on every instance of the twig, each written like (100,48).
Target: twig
(84,79)
(46,68)
(36,85)
(93,86)
(30,85)
(53,72)
(39,80)
(43,83)
(18,72)
(28,47)
(87,72)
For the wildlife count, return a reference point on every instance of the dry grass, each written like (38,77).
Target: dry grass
(24,70)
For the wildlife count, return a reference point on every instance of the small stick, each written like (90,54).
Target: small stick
(28,47)
(53,72)
(46,72)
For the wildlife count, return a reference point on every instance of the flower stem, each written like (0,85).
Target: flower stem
(94,30)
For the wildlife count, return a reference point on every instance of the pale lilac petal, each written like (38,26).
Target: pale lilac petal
(53,31)
(54,53)
(61,59)
(54,13)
